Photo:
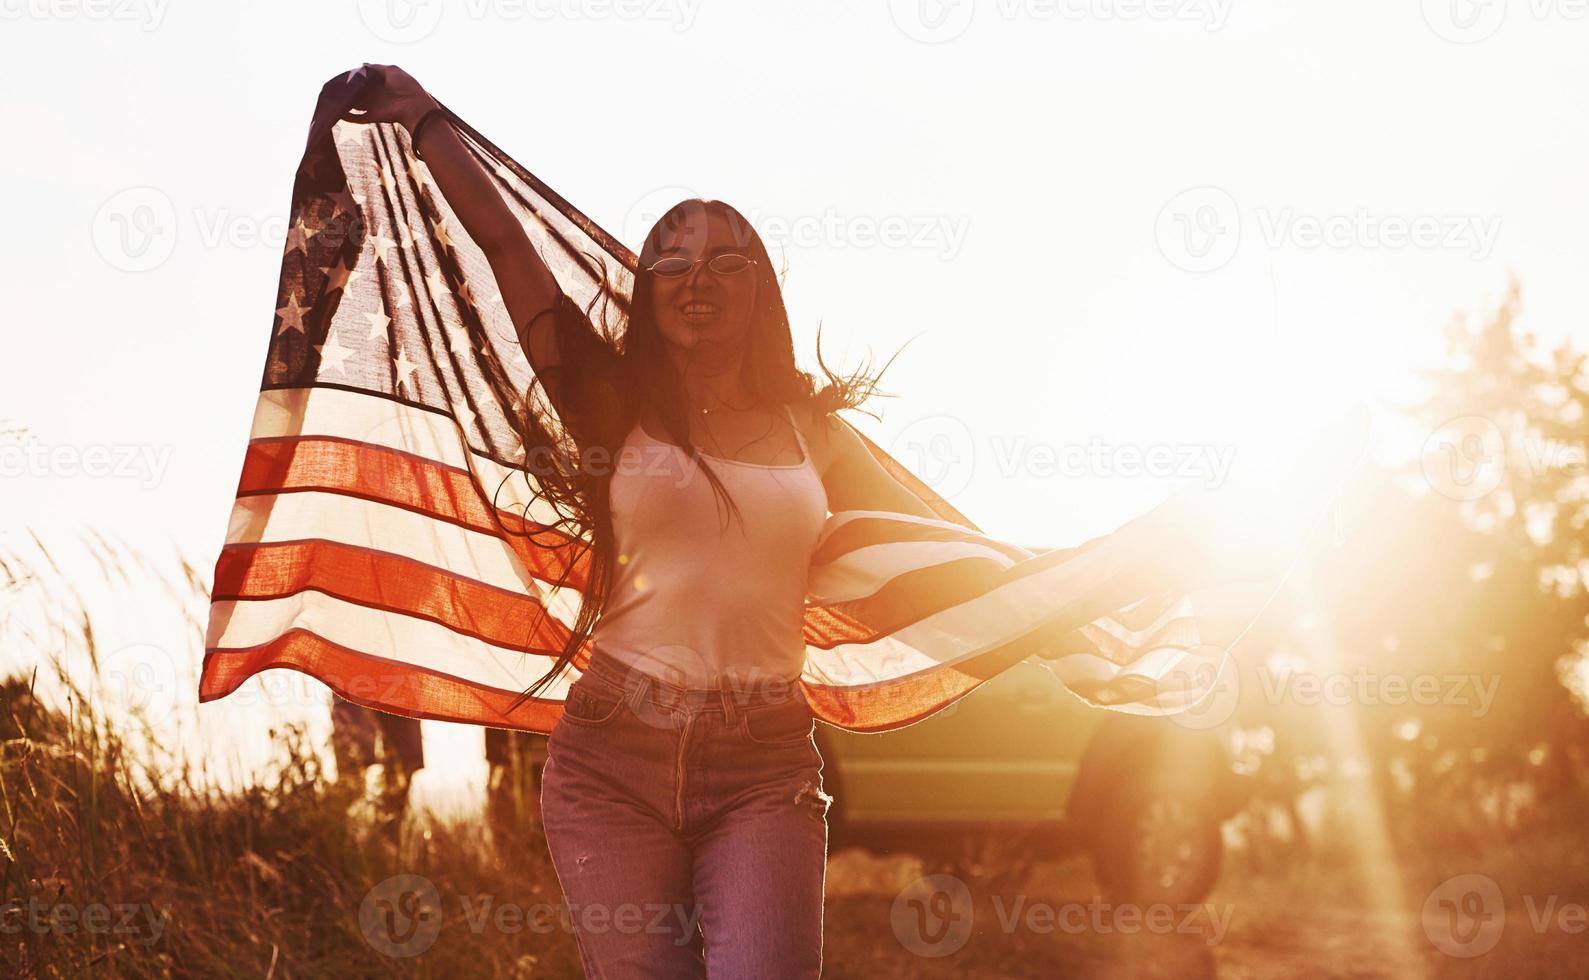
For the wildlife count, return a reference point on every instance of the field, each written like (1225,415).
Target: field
(107,874)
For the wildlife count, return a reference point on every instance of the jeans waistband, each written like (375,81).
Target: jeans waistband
(728,694)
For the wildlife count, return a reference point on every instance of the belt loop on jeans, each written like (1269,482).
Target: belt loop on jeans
(642,687)
(726,694)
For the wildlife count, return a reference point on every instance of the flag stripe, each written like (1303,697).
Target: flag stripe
(864,572)
(399,686)
(503,617)
(967,603)
(302,515)
(378,420)
(384,475)
(382,634)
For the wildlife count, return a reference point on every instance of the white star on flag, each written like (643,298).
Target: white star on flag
(332,354)
(437,285)
(417,171)
(381,244)
(405,368)
(442,237)
(298,237)
(378,324)
(292,315)
(346,132)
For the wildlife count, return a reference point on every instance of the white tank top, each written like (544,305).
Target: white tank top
(700,595)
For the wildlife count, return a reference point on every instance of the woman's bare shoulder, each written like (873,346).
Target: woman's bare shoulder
(824,432)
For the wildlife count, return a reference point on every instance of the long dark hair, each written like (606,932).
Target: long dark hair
(605,385)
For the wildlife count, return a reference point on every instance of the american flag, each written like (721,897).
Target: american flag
(388,540)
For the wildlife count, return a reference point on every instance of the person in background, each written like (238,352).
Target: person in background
(361,737)
(513,783)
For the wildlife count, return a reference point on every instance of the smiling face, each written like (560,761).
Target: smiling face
(702,312)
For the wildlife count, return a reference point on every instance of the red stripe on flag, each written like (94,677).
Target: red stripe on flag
(402,689)
(415,483)
(388,582)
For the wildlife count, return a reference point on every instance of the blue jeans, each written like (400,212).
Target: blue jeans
(688,827)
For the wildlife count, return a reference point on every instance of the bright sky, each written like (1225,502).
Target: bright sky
(1109,224)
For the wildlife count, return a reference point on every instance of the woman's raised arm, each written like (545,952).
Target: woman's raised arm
(855,480)
(528,288)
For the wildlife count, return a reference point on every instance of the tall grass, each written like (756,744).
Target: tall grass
(119,858)
(267,881)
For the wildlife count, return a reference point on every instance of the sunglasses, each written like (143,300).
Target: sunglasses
(727,264)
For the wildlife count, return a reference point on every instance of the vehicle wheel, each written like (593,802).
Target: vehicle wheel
(1158,847)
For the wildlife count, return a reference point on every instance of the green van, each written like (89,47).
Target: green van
(1024,759)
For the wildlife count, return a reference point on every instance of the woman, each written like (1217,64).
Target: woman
(681,795)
